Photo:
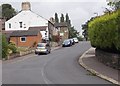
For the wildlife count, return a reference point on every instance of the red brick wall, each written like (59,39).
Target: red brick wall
(29,40)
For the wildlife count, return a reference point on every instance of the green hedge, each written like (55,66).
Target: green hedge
(4,47)
(104,31)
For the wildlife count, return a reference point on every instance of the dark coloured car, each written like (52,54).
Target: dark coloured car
(72,41)
(67,43)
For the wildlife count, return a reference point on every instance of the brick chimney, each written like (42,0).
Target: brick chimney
(26,6)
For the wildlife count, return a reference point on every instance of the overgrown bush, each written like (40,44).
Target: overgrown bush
(12,47)
(4,46)
(104,32)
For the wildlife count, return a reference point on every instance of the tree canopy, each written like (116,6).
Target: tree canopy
(8,11)
(62,18)
(56,18)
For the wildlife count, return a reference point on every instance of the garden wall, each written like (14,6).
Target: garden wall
(109,59)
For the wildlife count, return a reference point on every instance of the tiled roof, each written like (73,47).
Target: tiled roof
(40,28)
(24,33)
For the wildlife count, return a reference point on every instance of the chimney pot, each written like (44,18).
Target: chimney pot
(26,6)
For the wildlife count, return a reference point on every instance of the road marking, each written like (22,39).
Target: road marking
(43,75)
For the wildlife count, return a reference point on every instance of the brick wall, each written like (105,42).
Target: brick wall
(29,40)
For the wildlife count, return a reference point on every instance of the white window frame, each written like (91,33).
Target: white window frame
(21,24)
(9,25)
(21,39)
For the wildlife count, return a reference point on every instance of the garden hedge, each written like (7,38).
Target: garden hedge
(104,31)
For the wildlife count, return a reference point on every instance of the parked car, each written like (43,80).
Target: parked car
(67,43)
(75,40)
(43,48)
(72,41)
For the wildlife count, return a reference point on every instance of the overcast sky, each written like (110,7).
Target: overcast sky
(79,10)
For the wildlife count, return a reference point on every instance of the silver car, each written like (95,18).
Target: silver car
(43,48)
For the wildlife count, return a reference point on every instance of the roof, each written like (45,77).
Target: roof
(24,33)
(40,28)
(7,33)
(62,24)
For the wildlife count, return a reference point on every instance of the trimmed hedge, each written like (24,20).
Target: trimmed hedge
(104,31)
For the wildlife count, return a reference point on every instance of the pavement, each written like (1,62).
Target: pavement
(55,48)
(91,64)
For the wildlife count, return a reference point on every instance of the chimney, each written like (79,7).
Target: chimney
(26,6)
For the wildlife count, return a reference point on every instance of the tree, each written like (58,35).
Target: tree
(85,28)
(68,20)
(67,17)
(72,32)
(62,18)
(56,18)
(7,11)
(115,5)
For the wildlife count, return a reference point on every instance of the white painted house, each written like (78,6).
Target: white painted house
(26,19)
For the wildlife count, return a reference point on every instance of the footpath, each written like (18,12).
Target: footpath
(91,64)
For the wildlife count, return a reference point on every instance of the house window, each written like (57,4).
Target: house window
(20,24)
(9,25)
(22,39)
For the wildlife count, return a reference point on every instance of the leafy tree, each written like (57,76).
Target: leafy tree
(7,11)
(114,4)
(62,18)
(56,18)
(4,46)
(72,32)
(117,5)
(85,28)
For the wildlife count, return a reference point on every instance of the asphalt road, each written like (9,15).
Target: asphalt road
(59,67)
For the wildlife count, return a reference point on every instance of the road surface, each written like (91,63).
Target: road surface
(59,67)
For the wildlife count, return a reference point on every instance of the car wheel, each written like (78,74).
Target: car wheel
(35,52)
(38,53)
(47,52)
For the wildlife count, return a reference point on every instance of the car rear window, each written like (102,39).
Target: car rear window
(40,45)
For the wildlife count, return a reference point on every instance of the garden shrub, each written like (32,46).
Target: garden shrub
(12,47)
(104,32)
(4,46)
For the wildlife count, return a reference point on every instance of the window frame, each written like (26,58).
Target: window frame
(20,23)
(21,39)
(10,25)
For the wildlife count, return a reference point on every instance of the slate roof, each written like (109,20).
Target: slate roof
(40,28)
(24,33)
(62,24)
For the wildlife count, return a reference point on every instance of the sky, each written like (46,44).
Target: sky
(79,11)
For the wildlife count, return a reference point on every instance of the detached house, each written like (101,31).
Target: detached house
(27,19)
